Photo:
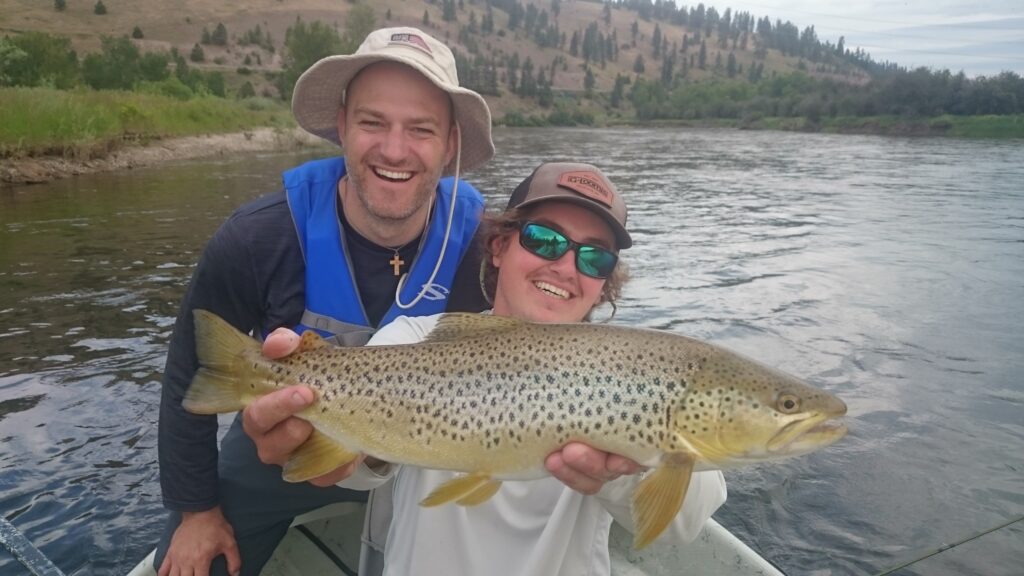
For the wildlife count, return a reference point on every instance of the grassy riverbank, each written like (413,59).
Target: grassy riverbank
(1011,126)
(86,124)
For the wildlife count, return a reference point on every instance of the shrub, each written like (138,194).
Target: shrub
(246,91)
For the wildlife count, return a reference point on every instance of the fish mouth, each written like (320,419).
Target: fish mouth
(807,435)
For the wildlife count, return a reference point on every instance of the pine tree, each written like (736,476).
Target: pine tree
(617,91)
(638,64)
(730,67)
(588,83)
(426,18)
(246,91)
(545,96)
(137,33)
(220,35)
(60,5)
(197,54)
(99,8)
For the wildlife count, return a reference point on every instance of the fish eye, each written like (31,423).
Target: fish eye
(788,404)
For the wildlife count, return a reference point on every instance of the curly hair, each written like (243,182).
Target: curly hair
(497,231)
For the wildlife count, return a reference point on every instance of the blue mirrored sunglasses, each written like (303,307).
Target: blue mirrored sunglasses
(550,244)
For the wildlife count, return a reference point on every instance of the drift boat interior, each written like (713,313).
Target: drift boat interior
(326,542)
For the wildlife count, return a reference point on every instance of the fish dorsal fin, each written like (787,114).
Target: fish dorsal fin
(462,326)
(311,341)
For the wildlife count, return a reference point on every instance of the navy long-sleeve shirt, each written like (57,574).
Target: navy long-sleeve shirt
(252,274)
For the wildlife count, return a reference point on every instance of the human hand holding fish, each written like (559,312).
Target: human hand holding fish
(271,423)
(494,397)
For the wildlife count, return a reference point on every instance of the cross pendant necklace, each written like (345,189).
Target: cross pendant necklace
(397,262)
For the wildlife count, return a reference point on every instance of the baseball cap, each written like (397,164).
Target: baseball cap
(577,183)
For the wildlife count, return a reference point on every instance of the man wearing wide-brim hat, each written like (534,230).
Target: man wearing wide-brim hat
(347,246)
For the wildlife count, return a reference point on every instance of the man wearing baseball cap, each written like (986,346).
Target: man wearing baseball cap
(350,243)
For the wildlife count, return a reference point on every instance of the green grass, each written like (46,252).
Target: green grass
(947,125)
(85,123)
(984,126)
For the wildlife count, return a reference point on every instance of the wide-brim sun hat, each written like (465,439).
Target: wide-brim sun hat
(320,91)
(577,183)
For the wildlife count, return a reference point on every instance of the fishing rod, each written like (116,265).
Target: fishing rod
(945,547)
(25,552)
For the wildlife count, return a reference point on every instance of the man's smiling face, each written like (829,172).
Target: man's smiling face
(397,132)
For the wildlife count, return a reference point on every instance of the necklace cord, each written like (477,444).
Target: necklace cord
(447,233)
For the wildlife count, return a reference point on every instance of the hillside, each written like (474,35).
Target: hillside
(499,36)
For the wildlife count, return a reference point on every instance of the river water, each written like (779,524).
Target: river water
(889,271)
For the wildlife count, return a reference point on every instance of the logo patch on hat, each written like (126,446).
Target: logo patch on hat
(412,40)
(588,184)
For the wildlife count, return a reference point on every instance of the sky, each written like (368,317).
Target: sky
(982,38)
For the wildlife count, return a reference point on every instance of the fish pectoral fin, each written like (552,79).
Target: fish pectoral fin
(311,341)
(468,490)
(317,456)
(659,496)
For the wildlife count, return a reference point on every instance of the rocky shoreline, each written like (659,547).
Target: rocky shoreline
(35,170)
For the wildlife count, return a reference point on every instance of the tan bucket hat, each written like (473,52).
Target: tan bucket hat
(319,92)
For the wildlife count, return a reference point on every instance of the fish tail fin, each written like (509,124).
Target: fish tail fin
(658,498)
(215,387)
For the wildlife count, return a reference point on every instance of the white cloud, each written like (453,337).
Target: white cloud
(939,34)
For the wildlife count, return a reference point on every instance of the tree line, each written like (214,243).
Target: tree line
(910,94)
(36,59)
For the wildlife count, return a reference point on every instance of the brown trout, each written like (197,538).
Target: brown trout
(493,397)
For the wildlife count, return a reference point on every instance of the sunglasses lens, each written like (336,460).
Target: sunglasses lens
(595,262)
(543,241)
(550,244)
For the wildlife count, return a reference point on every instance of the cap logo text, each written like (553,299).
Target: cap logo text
(412,40)
(587,184)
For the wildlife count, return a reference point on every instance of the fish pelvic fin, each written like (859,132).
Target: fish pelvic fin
(481,494)
(468,490)
(317,456)
(215,387)
(659,496)
(456,326)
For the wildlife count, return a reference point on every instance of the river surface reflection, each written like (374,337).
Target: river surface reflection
(888,271)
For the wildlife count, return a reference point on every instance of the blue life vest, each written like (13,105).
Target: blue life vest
(333,307)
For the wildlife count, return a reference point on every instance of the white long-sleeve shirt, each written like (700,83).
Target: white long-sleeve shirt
(528,528)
